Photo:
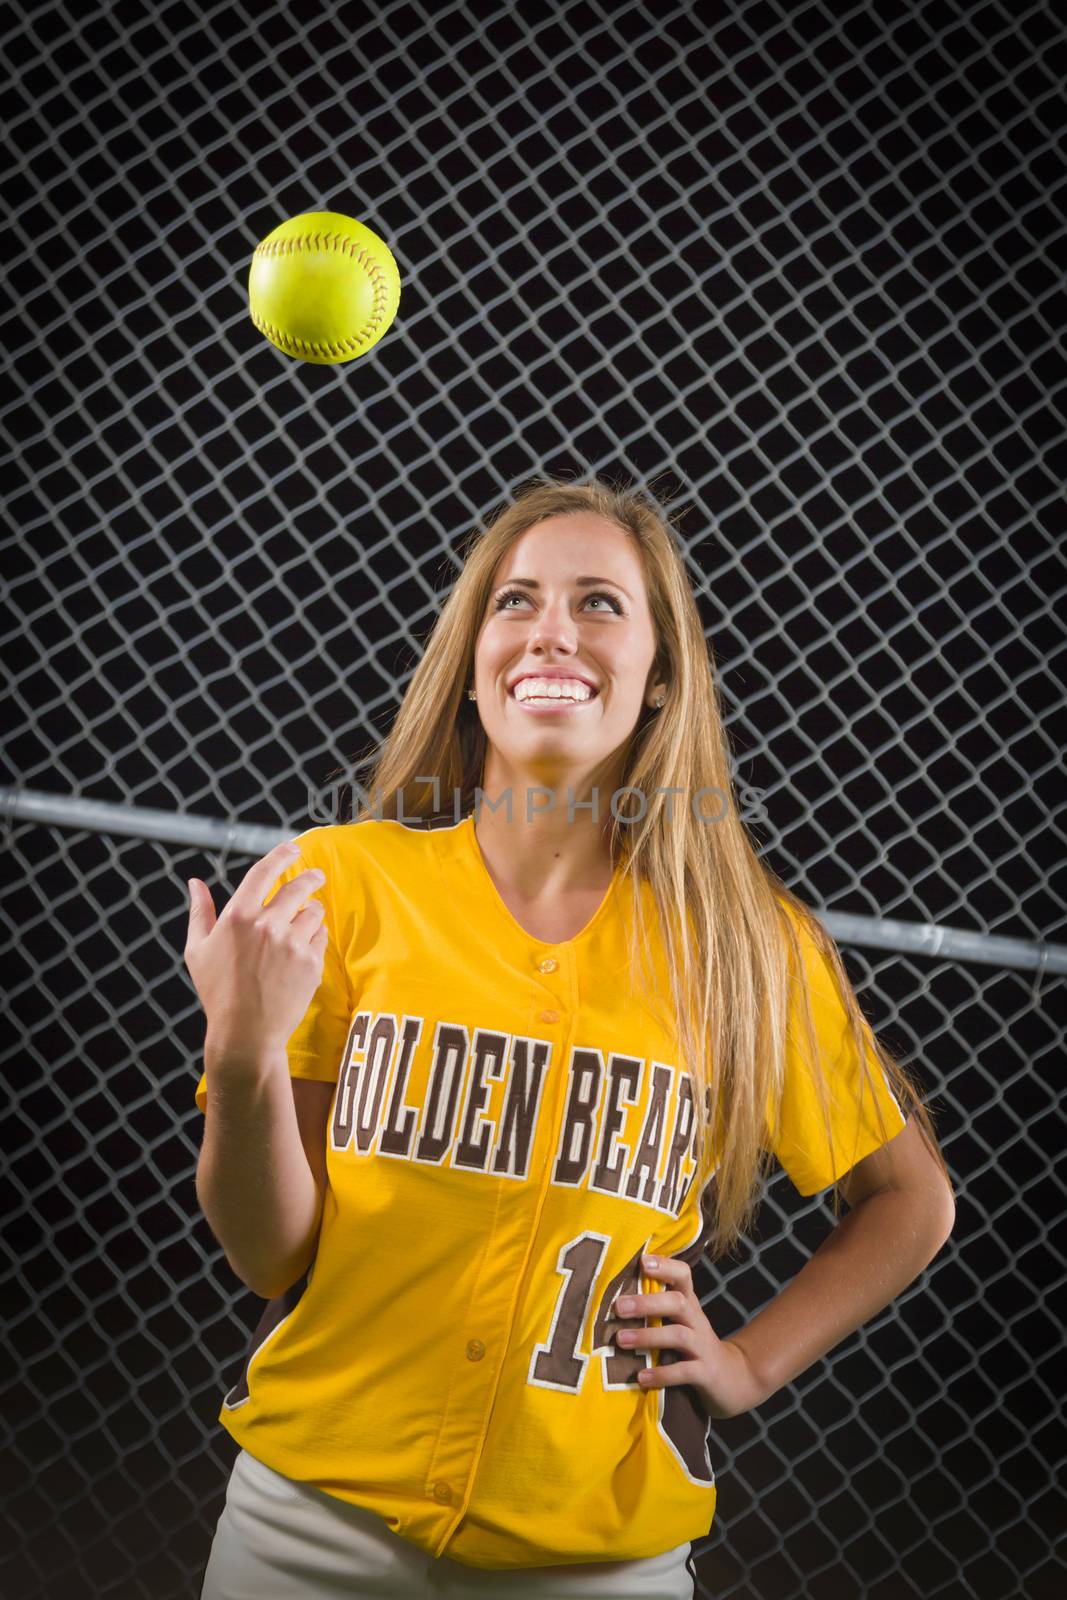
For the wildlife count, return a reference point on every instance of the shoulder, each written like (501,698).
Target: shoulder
(810,952)
(799,924)
(373,840)
(433,824)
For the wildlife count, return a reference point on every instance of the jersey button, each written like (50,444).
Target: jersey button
(442,1494)
(475,1350)
(550,1016)
(549,964)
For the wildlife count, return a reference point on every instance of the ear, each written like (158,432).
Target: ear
(656,685)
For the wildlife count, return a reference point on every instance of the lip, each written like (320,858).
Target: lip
(555,672)
(557,708)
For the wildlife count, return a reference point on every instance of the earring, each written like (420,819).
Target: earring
(659,701)
(471,695)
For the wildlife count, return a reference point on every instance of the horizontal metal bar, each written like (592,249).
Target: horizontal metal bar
(250,839)
(956,944)
(138,822)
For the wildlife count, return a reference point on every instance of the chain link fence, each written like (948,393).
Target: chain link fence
(799,271)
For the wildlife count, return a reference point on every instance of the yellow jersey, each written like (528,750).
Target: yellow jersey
(510,1132)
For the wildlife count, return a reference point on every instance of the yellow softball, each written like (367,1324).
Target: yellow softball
(323,287)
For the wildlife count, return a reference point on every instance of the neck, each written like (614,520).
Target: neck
(538,847)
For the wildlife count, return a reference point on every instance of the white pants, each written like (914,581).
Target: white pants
(281,1540)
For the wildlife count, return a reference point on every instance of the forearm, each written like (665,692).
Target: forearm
(253,1180)
(873,1253)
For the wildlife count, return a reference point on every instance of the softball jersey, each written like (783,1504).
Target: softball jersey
(511,1130)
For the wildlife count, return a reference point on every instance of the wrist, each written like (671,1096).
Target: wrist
(243,1059)
(751,1388)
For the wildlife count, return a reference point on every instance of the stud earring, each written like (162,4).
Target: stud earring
(659,701)
(471,695)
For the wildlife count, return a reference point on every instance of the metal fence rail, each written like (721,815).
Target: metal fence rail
(248,840)
(799,272)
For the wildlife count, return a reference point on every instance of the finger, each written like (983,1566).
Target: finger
(667,1303)
(263,874)
(311,919)
(668,1270)
(667,1374)
(670,1336)
(290,898)
(201,911)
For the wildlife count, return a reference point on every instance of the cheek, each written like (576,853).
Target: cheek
(484,649)
(492,637)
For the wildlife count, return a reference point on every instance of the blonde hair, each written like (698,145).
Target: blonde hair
(737,944)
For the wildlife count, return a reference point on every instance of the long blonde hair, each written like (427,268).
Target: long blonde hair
(736,944)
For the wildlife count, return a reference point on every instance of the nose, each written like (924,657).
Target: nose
(554,626)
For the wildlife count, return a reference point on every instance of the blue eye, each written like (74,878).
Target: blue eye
(598,594)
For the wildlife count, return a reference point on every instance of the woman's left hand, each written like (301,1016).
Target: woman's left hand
(715,1368)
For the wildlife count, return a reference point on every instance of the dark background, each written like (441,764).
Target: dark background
(800,272)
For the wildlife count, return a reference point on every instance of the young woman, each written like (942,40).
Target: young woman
(479,1097)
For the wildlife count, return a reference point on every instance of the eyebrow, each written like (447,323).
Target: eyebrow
(583,583)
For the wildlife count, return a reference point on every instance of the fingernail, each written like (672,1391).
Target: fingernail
(624,1305)
(650,1261)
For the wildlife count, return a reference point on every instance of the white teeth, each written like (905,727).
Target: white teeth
(545,689)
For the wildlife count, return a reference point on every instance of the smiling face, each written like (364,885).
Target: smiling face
(547,617)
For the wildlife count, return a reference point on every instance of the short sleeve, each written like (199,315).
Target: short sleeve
(799,1140)
(317,1046)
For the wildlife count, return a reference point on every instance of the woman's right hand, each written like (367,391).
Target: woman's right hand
(256,967)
